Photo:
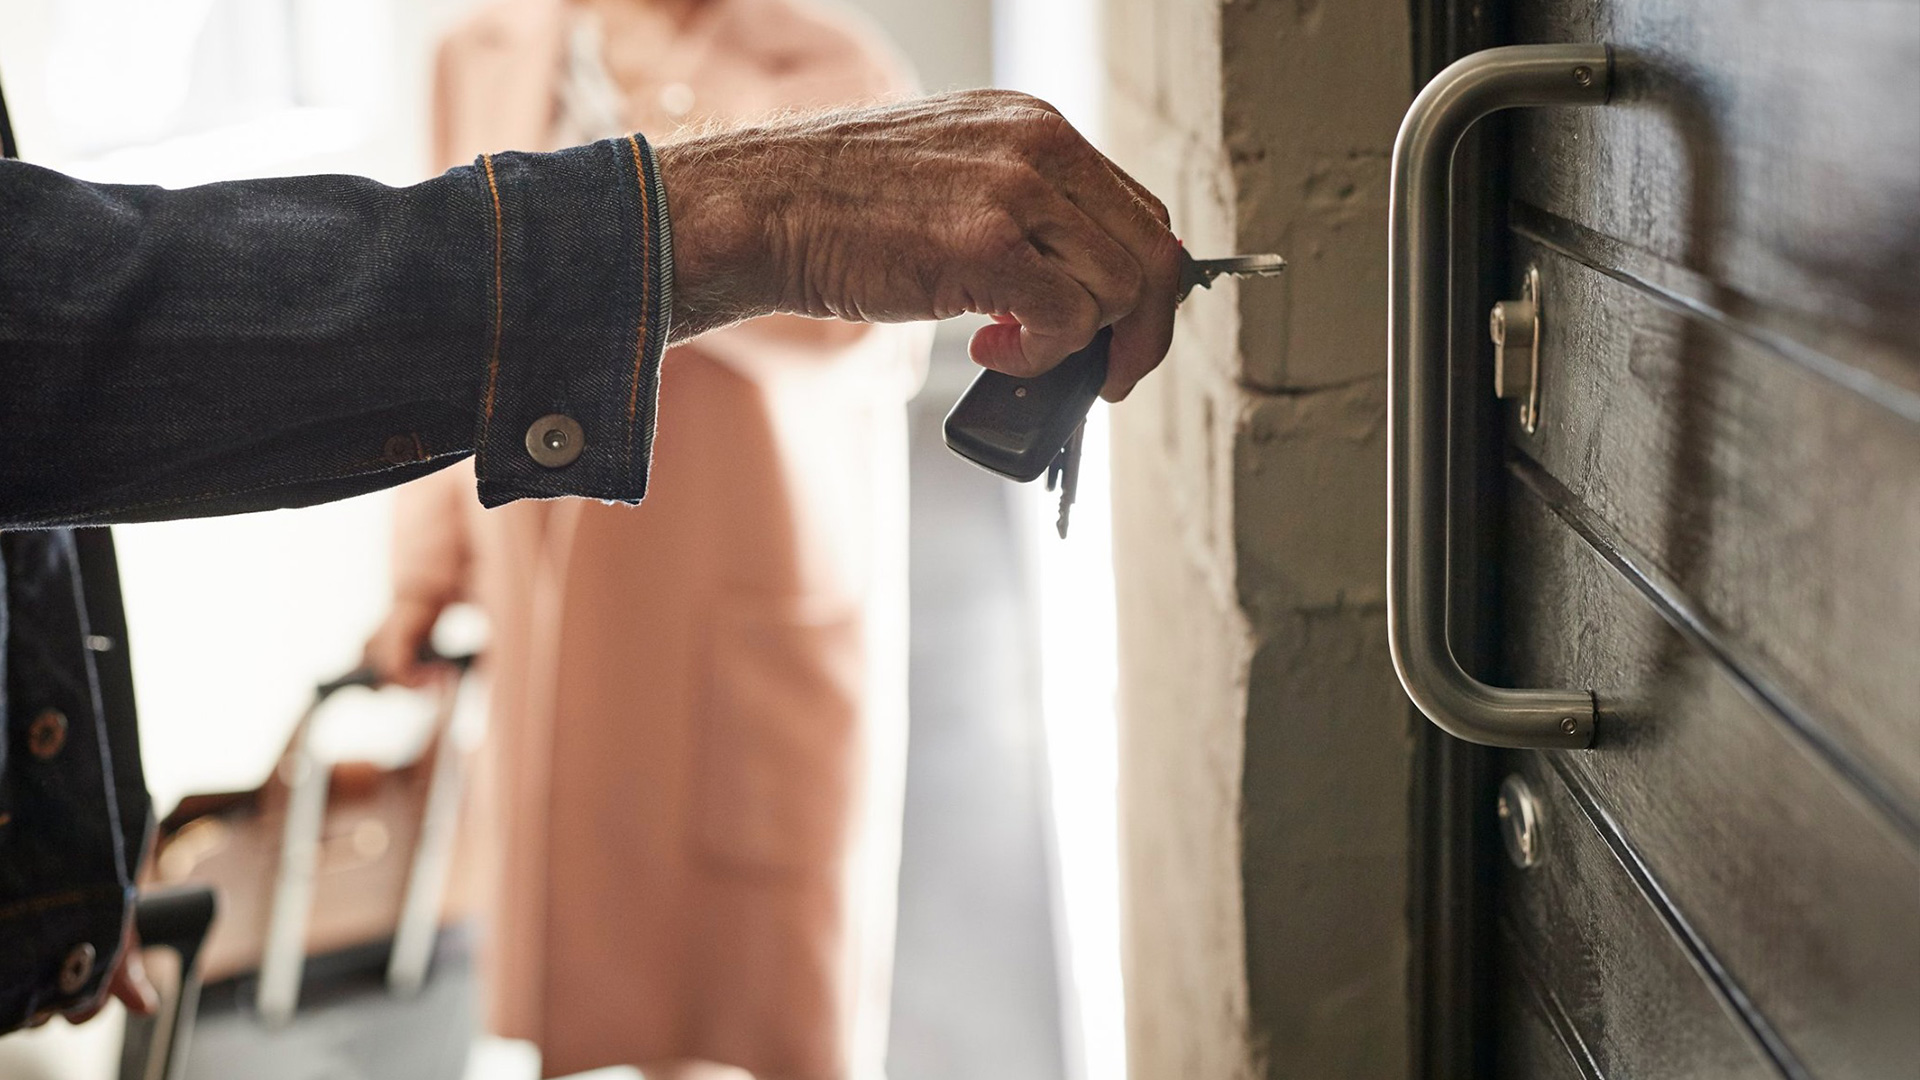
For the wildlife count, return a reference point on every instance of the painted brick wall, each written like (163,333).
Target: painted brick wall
(1266,747)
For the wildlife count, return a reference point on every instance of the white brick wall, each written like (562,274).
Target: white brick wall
(1265,744)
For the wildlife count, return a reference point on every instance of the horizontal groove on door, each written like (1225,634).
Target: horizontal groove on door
(1685,617)
(1548,1004)
(1885,382)
(1740,1007)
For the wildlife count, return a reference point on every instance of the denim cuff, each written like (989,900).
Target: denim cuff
(582,291)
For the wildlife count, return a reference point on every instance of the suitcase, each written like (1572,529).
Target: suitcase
(326,875)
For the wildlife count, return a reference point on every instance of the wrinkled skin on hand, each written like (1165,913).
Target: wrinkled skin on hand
(982,201)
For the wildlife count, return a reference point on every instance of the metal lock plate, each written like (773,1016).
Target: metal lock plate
(1515,328)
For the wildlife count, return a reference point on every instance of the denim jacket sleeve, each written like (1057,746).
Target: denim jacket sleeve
(263,344)
(270,343)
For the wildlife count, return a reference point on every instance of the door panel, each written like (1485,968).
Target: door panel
(1784,446)
(1791,886)
(1766,144)
(1532,1047)
(1599,964)
(1716,527)
(1784,506)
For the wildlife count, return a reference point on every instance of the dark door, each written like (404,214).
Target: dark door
(1715,526)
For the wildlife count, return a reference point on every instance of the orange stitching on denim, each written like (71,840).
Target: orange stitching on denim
(499,297)
(646,283)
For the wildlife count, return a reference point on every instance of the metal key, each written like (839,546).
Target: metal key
(1065,470)
(1199,273)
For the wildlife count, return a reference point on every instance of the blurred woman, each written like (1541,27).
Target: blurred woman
(698,705)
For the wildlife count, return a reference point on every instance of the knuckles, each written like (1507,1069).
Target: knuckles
(997,98)
(1047,133)
(1156,208)
(997,241)
(1013,188)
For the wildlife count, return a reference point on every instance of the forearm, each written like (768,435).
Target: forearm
(724,227)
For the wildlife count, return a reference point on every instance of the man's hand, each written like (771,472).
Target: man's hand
(984,201)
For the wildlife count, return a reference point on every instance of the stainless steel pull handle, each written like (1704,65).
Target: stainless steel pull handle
(1417,489)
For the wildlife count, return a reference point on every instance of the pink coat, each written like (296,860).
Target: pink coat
(691,814)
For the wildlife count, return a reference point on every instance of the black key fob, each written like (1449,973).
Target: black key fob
(1016,427)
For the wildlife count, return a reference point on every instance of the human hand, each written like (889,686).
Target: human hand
(982,201)
(395,649)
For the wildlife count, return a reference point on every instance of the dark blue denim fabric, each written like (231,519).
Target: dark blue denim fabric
(263,344)
(76,811)
(563,217)
(271,343)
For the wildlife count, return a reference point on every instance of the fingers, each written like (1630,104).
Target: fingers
(1123,231)
(1136,222)
(1054,315)
(985,201)
(1141,338)
(1090,256)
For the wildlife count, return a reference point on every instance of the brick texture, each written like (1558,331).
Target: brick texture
(1266,747)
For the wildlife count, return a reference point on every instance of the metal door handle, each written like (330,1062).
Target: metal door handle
(1417,489)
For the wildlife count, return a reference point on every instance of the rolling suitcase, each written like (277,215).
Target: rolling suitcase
(331,880)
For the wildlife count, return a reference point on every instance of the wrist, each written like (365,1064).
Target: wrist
(727,205)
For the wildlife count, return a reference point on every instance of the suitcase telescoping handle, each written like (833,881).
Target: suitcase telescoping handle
(155,1047)
(283,960)
(1418,491)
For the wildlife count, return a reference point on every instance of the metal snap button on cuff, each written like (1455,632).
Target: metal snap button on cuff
(47,734)
(77,968)
(555,440)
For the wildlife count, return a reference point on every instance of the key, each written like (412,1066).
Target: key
(1021,428)
(1066,470)
(1199,273)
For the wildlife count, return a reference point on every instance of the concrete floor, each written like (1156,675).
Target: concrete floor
(976,990)
(349,1027)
